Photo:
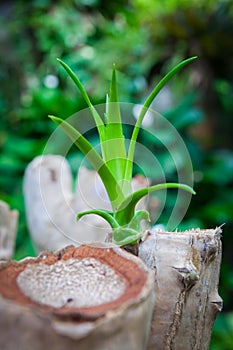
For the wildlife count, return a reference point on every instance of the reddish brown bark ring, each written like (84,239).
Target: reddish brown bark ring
(133,276)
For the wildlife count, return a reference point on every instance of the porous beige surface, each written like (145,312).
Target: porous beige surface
(71,283)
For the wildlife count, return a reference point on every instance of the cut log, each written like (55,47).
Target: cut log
(8,229)
(186,265)
(79,298)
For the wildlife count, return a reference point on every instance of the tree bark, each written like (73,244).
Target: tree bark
(79,298)
(186,266)
(8,229)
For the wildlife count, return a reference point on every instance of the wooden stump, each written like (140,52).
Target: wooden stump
(8,229)
(79,298)
(186,266)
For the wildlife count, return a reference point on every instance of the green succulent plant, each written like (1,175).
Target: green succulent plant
(115,163)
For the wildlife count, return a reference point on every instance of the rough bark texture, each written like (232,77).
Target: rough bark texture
(35,323)
(8,229)
(186,265)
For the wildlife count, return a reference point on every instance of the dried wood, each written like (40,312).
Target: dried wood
(8,229)
(79,298)
(186,266)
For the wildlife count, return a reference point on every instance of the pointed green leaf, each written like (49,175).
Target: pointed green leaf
(124,236)
(144,109)
(103,213)
(114,146)
(131,233)
(114,191)
(114,114)
(126,210)
(98,121)
(135,222)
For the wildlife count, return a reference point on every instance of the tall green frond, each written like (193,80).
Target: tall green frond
(113,189)
(144,109)
(114,146)
(98,121)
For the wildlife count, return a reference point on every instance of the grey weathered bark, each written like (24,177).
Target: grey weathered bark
(186,266)
(8,229)
(79,298)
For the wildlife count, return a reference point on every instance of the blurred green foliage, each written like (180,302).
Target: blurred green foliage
(144,39)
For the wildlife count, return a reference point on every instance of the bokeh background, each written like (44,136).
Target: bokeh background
(144,38)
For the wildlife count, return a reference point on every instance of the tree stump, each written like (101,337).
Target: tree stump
(186,266)
(79,298)
(8,229)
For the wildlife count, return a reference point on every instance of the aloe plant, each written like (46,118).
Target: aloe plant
(115,163)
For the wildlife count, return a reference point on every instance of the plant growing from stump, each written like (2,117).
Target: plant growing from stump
(115,163)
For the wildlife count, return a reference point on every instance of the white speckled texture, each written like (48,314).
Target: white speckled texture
(71,283)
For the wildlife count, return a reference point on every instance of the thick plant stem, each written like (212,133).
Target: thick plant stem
(186,267)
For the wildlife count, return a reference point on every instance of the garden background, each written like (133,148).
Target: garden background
(144,38)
